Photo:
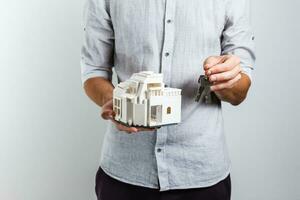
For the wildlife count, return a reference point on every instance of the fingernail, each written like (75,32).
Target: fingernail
(207,66)
(212,88)
(208,72)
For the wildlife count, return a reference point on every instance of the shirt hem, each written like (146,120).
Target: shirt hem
(126,180)
(208,183)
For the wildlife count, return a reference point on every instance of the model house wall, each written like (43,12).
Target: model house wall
(144,101)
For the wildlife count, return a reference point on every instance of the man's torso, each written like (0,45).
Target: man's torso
(172,37)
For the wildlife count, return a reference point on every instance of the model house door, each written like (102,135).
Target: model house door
(156,114)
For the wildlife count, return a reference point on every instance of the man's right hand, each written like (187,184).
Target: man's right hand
(100,90)
(109,114)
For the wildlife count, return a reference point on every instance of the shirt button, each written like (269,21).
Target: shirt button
(159,150)
(169,21)
(167,54)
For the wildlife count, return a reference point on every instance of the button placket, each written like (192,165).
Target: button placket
(168,41)
(160,157)
(167,55)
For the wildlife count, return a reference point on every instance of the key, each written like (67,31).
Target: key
(205,95)
(204,90)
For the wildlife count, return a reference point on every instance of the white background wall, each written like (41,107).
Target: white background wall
(51,134)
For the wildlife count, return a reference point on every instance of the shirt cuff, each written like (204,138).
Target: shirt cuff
(89,71)
(248,72)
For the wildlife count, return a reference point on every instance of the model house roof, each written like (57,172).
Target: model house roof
(146,77)
(154,85)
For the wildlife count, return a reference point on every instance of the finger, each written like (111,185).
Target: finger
(127,129)
(121,127)
(225,76)
(146,129)
(229,63)
(212,61)
(226,85)
(107,110)
(131,129)
(108,114)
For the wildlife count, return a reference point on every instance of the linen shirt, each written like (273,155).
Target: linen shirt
(172,37)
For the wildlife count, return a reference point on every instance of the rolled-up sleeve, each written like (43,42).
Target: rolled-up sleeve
(238,37)
(98,46)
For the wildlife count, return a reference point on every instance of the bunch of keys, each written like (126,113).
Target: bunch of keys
(205,95)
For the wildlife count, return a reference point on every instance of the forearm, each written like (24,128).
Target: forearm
(99,90)
(238,93)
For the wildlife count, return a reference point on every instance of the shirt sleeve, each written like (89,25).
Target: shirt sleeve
(238,38)
(98,46)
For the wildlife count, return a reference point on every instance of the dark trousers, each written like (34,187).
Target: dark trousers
(108,188)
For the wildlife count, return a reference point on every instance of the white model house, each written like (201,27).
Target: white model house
(144,101)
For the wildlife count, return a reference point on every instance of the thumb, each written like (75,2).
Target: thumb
(107,115)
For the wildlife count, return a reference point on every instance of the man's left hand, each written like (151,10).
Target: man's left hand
(223,71)
(228,83)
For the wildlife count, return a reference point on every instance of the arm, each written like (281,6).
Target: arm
(230,73)
(97,52)
(238,93)
(97,59)
(100,90)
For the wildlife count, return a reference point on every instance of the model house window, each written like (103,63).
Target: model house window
(169,110)
(117,107)
(131,90)
(153,85)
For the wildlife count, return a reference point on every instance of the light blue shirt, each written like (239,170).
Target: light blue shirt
(173,37)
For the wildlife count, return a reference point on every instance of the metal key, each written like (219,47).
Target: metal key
(205,95)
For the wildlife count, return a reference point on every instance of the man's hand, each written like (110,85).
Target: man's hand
(108,114)
(229,83)
(100,90)
(223,71)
